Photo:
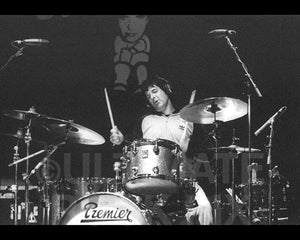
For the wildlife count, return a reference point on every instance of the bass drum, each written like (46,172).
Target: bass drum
(106,208)
(68,190)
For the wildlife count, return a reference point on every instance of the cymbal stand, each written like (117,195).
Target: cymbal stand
(16,157)
(217,200)
(27,139)
(233,212)
(249,80)
(44,162)
(46,196)
(47,177)
(270,172)
(50,149)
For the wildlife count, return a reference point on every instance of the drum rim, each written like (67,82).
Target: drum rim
(146,141)
(84,178)
(155,176)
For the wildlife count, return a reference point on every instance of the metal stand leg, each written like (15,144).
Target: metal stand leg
(217,201)
(233,214)
(27,141)
(46,198)
(16,157)
(269,162)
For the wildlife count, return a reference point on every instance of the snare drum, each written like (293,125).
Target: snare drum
(107,209)
(151,166)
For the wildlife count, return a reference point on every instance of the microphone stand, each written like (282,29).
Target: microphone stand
(269,162)
(250,80)
(17,54)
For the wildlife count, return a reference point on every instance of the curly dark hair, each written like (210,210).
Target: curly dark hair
(160,82)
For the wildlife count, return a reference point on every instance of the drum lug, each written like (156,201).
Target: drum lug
(156,149)
(174,174)
(125,149)
(90,187)
(176,151)
(134,150)
(134,171)
(124,162)
(155,170)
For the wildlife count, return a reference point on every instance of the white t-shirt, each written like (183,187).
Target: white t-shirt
(169,127)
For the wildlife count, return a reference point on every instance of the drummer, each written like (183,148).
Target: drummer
(163,122)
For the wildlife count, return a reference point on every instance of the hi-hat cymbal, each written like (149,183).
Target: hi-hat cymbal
(223,108)
(236,148)
(19,135)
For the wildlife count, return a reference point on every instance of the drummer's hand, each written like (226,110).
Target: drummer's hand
(203,212)
(116,137)
(199,215)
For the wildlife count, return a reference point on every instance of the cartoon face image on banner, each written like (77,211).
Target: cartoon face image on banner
(132,50)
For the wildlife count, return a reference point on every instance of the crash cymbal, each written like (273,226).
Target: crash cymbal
(74,133)
(236,148)
(57,128)
(225,109)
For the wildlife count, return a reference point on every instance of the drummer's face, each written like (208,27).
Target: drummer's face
(157,98)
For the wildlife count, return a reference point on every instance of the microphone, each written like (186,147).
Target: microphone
(25,176)
(274,168)
(31,42)
(218,33)
(275,172)
(277,114)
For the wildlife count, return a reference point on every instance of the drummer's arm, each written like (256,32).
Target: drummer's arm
(203,211)
(118,138)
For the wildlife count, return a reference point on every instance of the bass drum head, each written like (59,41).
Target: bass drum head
(104,208)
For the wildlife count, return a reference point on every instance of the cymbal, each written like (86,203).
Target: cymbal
(75,133)
(225,109)
(22,137)
(236,148)
(58,128)
(23,115)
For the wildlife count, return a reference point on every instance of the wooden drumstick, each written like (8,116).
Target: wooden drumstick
(109,109)
(186,123)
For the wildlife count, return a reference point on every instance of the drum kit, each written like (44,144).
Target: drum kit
(147,176)
(147,188)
